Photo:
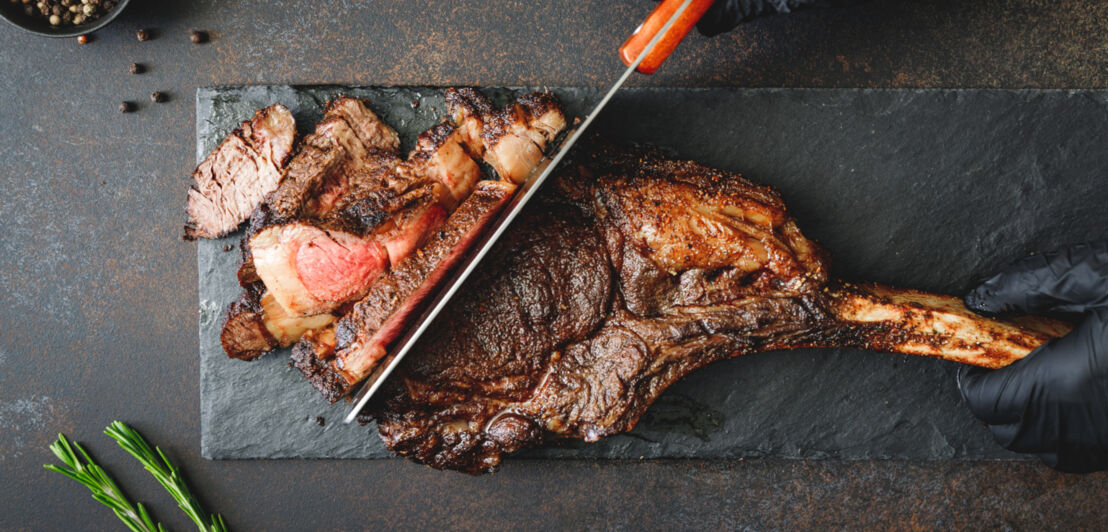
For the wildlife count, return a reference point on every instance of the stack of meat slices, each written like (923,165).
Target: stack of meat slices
(351,240)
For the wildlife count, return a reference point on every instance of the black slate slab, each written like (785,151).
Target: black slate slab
(919,188)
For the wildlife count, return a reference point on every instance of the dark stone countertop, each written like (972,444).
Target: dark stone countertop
(99,295)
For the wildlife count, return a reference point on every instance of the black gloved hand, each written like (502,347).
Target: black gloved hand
(1054,403)
(724,15)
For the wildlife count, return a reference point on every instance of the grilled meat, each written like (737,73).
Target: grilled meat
(236,176)
(256,324)
(350,141)
(511,140)
(343,217)
(633,272)
(337,361)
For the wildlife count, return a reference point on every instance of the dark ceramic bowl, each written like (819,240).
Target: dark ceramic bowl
(14,14)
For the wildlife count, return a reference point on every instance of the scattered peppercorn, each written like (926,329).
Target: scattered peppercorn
(126,107)
(415,104)
(82,39)
(197,36)
(320,421)
(137,68)
(103,182)
(143,35)
(228,247)
(157,97)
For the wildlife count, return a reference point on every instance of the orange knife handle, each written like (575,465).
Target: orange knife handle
(653,24)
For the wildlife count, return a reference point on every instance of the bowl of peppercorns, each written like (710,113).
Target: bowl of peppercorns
(61,18)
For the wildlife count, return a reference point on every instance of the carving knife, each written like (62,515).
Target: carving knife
(645,50)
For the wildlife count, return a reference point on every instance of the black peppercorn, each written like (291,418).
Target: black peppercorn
(415,104)
(126,107)
(137,68)
(227,247)
(66,12)
(319,421)
(197,36)
(157,97)
(143,35)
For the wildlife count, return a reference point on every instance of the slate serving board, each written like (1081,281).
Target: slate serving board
(926,189)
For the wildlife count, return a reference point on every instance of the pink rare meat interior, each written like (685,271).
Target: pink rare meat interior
(336,267)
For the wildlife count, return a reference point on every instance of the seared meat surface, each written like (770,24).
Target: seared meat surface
(236,176)
(633,272)
(256,324)
(338,360)
(350,141)
(511,140)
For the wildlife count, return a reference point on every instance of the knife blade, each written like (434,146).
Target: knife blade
(535,180)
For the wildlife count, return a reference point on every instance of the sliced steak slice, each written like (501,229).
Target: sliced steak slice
(349,140)
(441,156)
(233,180)
(256,324)
(511,140)
(310,270)
(362,337)
(370,130)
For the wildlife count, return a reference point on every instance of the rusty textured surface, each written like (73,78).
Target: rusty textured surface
(99,295)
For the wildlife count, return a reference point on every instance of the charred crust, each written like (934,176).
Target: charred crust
(539,103)
(323,377)
(467,101)
(431,140)
(244,335)
(346,331)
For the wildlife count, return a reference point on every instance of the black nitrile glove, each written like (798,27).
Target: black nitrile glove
(724,15)
(1054,403)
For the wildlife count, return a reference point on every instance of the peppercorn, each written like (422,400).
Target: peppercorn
(126,107)
(320,421)
(136,68)
(197,36)
(227,247)
(157,97)
(415,104)
(66,12)
(143,35)
(82,39)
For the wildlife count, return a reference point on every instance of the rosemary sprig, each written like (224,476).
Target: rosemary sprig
(155,461)
(105,489)
(102,486)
